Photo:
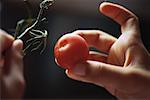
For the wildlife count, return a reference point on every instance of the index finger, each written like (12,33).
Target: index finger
(5,41)
(97,39)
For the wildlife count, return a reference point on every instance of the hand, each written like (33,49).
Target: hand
(11,67)
(124,69)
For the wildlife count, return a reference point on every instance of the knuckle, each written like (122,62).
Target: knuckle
(131,74)
(135,19)
(132,77)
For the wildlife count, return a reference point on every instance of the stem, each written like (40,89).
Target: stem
(33,25)
(44,5)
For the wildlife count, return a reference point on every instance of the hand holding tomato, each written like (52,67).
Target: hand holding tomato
(124,68)
(70,50)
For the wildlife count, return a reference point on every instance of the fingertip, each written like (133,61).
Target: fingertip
(18,44)
(73,76)
(17,48)
(57,62)
(68,73)
(6,35)
(104,7)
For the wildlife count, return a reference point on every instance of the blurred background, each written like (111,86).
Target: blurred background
(44,78)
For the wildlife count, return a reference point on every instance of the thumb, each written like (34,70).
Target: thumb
(98,73)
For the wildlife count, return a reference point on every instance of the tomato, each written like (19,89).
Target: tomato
(69,50)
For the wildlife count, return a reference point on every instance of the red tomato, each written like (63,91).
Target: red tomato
(71,49)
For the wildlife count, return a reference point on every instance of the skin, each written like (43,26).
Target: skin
(124,69)
(11,67)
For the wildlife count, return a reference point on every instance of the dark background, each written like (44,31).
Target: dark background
(44,78)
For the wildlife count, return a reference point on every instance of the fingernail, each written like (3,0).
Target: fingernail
(79,69)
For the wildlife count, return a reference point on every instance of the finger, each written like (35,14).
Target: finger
(5,41)
(98,73)
(97,39)
(121,15)
(97,56)
(56,62)
(13,70)
(14,58)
